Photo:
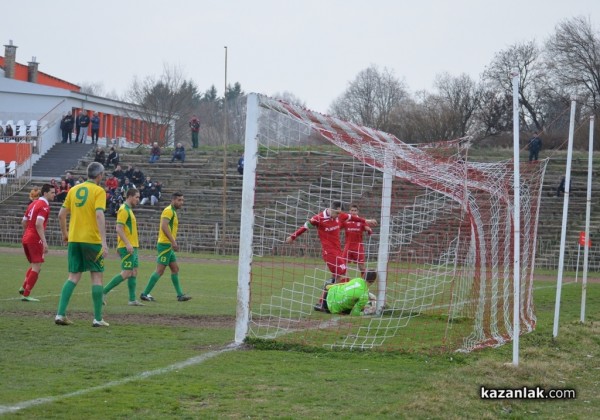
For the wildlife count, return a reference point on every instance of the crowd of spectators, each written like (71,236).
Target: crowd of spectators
(119,181)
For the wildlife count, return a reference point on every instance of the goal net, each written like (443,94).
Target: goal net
(443,247)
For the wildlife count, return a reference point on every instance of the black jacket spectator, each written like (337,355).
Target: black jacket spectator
(113,158)
(100,156)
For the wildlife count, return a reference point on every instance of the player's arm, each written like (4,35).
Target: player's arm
(39,227)
(102,229)
(62,219)
(164,226)
(24,222)
(121,233)
(360,305)
(299,232)
(371,222)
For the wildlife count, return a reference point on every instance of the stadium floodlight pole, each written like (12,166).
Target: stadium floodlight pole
(223,239)
(516,220)
(563,232)
(384,229)
(588,209)
(247,219)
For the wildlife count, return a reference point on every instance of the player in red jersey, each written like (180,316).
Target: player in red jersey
(34,241)
(354,249)
(328,224)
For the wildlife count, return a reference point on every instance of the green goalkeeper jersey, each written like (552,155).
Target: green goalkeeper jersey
(350,297)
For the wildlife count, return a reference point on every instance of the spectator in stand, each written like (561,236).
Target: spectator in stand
(152,193)
(111,183)
(240,165)
(95,127)
(195,127)
(119,174)
(80,180)
(116,200)
(70,179)
(34,194)
(137,177)
(154,153)
(127,184)
(100,156)
(1,131)
(84,122)
(178,153)
(129,172)
(113,157)
(9,131)
(67,127)
(61,191)
(534,146)
(78,126)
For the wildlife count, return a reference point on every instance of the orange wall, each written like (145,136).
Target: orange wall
(43,78)
(15,151)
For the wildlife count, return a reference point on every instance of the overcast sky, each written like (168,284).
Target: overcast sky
(311,48)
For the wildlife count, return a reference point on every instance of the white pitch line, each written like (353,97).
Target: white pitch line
(4,409)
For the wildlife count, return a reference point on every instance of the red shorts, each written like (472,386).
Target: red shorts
(335,263)
(355,254)
(34,252)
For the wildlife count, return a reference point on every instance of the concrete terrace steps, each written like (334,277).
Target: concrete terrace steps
(201,180)
(59,158)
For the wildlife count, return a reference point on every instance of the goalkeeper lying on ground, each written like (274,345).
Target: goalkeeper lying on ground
(351,297)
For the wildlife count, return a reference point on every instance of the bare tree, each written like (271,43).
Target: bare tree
(460,96)
(574,58)
(161,101)
(526,57)
(494,114)
(370,99)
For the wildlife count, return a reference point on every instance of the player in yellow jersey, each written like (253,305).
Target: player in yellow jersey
(86,238)
(127,246)
(166,247)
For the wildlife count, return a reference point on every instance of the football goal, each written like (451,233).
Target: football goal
(443,246)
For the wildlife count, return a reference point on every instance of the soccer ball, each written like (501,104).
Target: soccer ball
(371,307)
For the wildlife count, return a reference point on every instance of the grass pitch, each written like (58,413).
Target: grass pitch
(170,359)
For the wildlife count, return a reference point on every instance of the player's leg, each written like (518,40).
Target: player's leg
(94,263)
(162,259)
(337,267)
(126,265)
(35,255)
(97,299)
(132,280)
(76,267)
(181,297)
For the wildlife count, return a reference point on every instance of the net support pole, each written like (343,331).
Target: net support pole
(242,315)
(588,209)
(516,220)
(384,231)
(563,232)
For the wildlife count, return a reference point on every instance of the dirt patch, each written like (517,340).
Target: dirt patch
(193,321)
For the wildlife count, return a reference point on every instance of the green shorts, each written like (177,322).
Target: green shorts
(166,255)
(128,261)
(83,256)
